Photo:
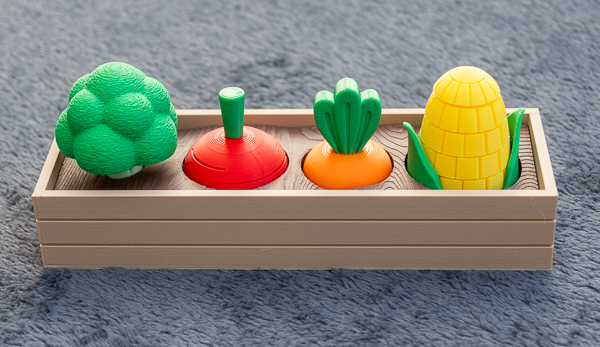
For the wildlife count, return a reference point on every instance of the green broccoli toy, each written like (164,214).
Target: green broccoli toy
(117,121)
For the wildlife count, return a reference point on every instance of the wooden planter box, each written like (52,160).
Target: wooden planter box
(161,219)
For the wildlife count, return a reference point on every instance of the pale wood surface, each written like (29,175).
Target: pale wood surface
(299,257)
(455,233)
(169,175)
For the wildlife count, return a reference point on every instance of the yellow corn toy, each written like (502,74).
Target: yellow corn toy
(465,132)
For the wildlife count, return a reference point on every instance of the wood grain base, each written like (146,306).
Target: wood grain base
(299,257)
(178,232)
(168,175)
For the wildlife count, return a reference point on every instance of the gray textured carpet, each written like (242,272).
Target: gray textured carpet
(543,54)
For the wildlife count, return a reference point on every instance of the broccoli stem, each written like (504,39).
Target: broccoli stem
(126,173)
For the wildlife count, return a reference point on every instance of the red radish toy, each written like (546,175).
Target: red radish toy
(235,156)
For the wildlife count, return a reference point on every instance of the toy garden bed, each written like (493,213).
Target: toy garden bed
(161,219)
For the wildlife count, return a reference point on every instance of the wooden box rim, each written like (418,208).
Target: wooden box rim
(189,119)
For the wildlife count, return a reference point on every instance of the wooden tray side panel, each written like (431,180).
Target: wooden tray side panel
(517,233)
(280,206)
(545,175)
(192,119)
(299,257)
(50,171)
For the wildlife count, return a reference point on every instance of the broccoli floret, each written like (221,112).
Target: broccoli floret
(118,120)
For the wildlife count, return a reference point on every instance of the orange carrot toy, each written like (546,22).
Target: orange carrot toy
(348,158)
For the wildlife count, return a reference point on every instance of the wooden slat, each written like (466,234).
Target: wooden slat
(190,119)
(446,233)
(295,205)
(299,257)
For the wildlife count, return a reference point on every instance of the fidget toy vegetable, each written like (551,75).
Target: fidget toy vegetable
(235,156)
(347,158)
(117,121)
(465,138)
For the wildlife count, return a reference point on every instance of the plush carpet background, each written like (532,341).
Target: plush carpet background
(542,53)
